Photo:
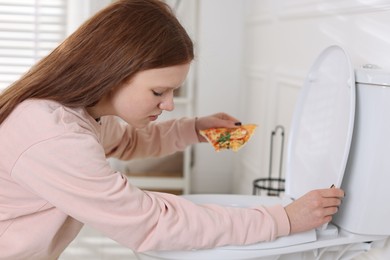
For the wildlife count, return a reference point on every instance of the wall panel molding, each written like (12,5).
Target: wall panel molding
(255,72)
(260,19)
(287,86)
(302,9)
(289,79)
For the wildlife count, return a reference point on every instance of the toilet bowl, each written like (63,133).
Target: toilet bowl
(339,136)
(331,243)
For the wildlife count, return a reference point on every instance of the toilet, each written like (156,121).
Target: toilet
(339,136)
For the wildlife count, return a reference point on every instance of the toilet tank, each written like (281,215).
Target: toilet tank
(366,206)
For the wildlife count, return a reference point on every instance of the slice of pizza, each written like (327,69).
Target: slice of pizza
(228,138)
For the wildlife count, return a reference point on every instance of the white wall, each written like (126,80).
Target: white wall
(219,54)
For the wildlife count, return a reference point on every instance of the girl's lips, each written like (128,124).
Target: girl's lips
(153,118)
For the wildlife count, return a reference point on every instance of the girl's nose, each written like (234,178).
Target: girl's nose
(167,104)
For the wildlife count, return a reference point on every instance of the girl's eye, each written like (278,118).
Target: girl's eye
(157,94)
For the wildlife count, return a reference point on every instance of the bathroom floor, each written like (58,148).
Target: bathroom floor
(91,245)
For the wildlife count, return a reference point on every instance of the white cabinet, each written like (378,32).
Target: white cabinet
(169,173)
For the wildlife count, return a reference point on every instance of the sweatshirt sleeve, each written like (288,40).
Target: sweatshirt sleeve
(125,142)
(84,186)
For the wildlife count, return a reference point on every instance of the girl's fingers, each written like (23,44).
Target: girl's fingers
(332,193)
(331,202)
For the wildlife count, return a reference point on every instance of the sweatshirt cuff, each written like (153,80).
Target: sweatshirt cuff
(188,130)
(281,220)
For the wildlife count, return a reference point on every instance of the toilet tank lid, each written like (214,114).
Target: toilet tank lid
(372,76)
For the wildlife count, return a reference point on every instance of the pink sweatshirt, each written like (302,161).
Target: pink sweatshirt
(54,177)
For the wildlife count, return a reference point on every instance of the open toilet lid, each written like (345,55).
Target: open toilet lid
(322,125)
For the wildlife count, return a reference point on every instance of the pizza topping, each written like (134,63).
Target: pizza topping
(224,138)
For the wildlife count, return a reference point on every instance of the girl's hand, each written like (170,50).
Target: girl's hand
(313,209)
(216,120)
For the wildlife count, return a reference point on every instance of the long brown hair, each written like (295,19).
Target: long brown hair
(111,47)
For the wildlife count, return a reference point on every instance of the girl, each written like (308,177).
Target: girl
(58,125)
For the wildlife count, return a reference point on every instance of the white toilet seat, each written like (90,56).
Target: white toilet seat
(322,125)
(245,201)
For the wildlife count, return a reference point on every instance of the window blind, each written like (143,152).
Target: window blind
(29,30)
